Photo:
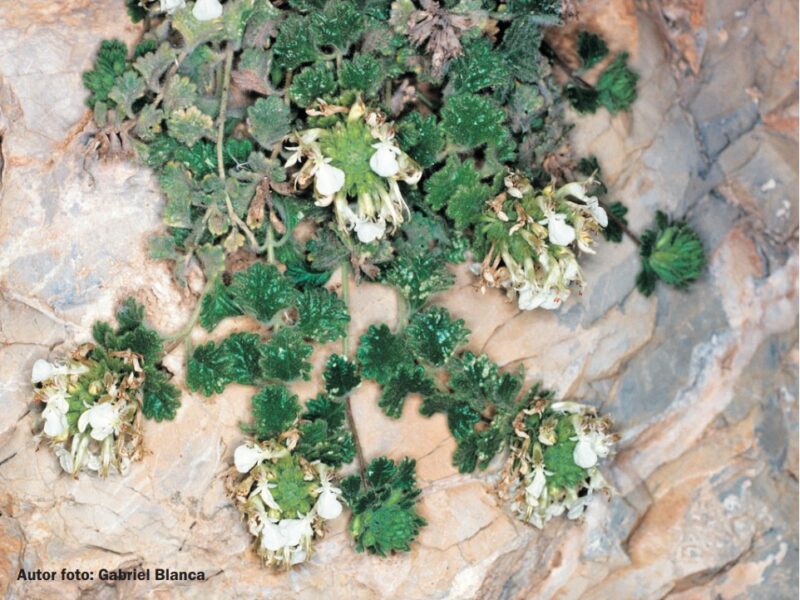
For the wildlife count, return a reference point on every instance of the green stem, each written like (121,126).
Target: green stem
(270,244)
(223,110)
(348,409)
(176,338)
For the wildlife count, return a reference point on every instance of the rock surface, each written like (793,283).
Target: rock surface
(702,386)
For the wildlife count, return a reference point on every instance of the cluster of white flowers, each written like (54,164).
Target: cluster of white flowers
(549,222)
(540,493)
(377,207)
(104,437)
(203,10)
(282,540)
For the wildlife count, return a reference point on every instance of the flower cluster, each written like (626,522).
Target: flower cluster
(356,166)
(552,468)
(531,238)
(203,10)
(92,409)
(285,498)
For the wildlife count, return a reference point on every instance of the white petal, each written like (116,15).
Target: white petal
(267,497)
(328,180)
(529,297)
(384,161)
(328,506)
(294,530)
(599,213)
(83,421)
(583,455)
(560,233)
(171,6)
(554,299)
(369,231)
(42,371)
(536,487)
(205,10)
(55,422)
(246,457)
(271,537)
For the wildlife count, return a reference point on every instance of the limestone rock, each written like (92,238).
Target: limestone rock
(702,385)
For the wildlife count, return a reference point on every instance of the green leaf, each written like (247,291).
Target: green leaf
(613,232)
(339,24)
(284,356)
(261,291)
(420,137)
(161,399)
(274,411)
(457,187)
(417,278)
(325,436)
(141,340)
(341,376)
(549,11)
(384,517)
(672,252)
(381,353)
(111,62)
(478,380)
(216,305)
(462,418)
(242,352)
(180,93)
(558,458)
(480,67)
(135,10)
(269,120)
(178,187)
(591,49)
(130,315)
(433,336)
(585,100)
(129,87)
(521,48)
(195,32)
(189,125)
(470,121)
(153,65)
(616,87)
(149,123)
(312,83)
(322,314)
(407,379)
(294,44)
(207,370)
(363,74)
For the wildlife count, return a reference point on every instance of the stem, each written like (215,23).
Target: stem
(348,409)
(621,224)
(176,338)
(270,244)
(223,109)
(565,67)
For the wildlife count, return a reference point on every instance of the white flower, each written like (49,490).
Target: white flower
(328,179)
(247,456)
(531,296)
(384,161)
(44,370)
(296,531)
(271,537)
(206,10)
(327,505)
(369,231)
(266,496)
(103,418)
(559,232)
(170,6)
(590,446)
(537,484)
(597,211)
(55,421)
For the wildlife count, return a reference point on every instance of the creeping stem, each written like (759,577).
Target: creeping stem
(347,407)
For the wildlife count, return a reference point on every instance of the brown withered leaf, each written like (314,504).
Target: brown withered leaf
(439,30)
